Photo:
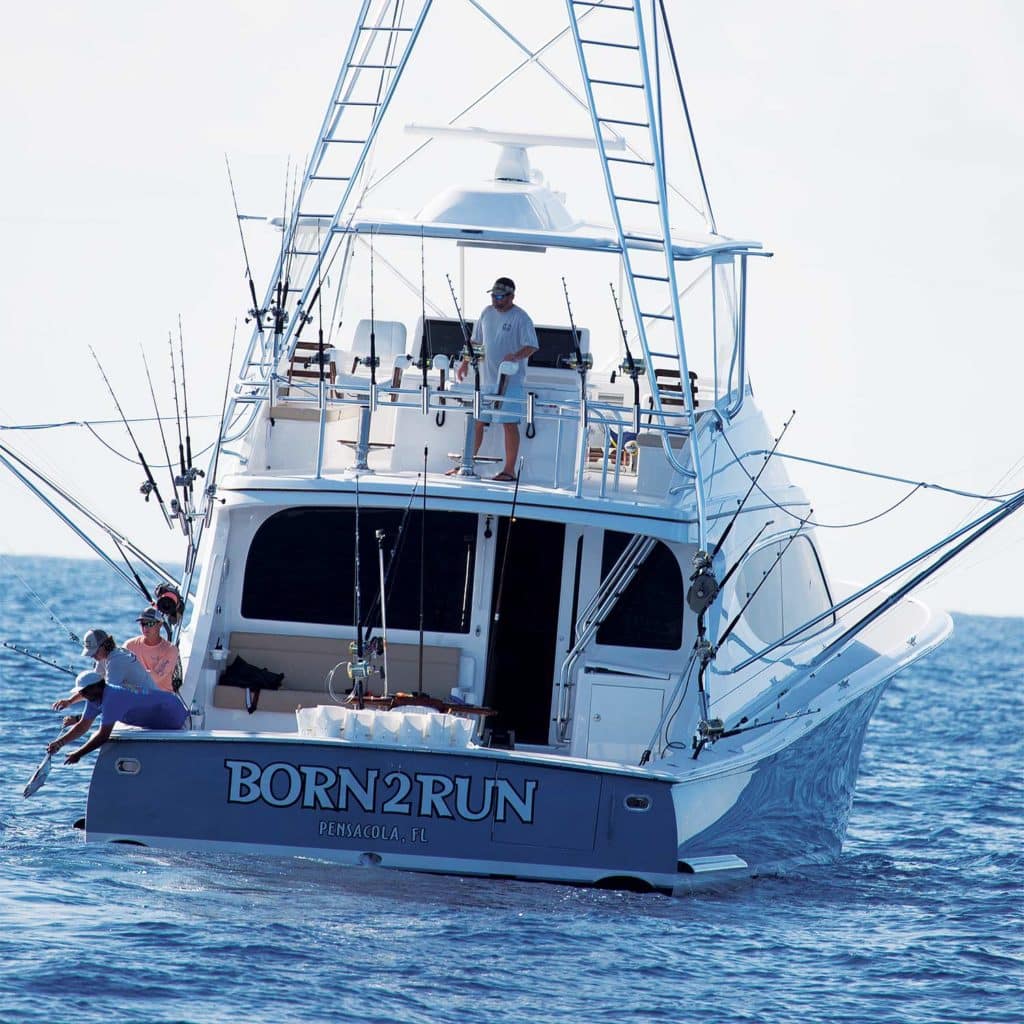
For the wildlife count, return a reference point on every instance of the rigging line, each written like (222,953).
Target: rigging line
(708,212)
(956,492)
(75,639)
(821,526)
(410,285)
(92,423)
(128,458)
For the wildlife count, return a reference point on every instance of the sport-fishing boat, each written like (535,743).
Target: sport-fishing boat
(624,667)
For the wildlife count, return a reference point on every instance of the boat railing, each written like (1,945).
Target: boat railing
(606,435)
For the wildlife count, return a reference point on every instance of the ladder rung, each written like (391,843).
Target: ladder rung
(657,316)
(635,199)
(664,355)
(620,85)
(347,142)
(384,28)
(303,252)
(629,160)
(643,238)
(326,177)
(602,42)
(604,7)
(355,103)
(651,277)
(375,67)
(618,120)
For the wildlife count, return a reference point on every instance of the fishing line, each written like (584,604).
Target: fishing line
(163,437)
(75,639)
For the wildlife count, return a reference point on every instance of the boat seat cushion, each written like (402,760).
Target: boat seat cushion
(306,662)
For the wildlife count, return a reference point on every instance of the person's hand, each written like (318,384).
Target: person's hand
(73,757)
(461,370)
(60,705)
(53,746)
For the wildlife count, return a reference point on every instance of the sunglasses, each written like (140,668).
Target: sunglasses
(148,625)
(500,296)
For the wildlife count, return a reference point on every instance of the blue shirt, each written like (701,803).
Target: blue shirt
(155,709)
(122,668)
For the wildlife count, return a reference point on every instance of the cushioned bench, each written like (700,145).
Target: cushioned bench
(307,660)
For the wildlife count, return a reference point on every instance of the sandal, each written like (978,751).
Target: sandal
(504,478)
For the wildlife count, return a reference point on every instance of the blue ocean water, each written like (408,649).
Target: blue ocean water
(919,921)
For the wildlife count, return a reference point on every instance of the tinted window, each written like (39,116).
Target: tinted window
(301,562)
(794,592)
(650,611)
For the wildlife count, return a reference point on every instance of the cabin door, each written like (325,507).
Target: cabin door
(522,650)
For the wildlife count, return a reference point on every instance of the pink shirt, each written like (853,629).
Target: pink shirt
(158,659)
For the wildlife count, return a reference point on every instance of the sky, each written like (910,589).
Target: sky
(876,148)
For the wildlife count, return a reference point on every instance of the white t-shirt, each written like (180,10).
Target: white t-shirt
(122,668)
(501,334)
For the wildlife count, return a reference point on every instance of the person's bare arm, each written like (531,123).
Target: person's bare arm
(99,737)
(80,727)
(66,702)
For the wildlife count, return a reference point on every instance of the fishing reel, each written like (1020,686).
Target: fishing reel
(146,488)
(709,730)
(703,585)
(572,362)
(639,368)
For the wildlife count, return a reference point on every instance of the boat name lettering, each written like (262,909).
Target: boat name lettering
(423,794)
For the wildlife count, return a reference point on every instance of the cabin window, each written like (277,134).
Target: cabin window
(650,611)
(301,568)
(794,592)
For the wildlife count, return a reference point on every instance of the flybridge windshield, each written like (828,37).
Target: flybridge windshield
(444,337)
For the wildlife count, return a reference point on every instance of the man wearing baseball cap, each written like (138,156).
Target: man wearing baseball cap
(159,657)
(153,709)
(507,334)
(113,663)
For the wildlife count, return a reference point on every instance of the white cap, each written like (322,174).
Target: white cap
(86,679)
(91,642)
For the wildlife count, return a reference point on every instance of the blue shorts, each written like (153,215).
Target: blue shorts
(511,407)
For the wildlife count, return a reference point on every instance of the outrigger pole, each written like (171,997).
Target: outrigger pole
(7,454)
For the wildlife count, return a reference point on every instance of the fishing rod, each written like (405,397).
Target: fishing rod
(423,575)
(150,485)
(425,387)
(393,557)
(580,362)
(357,667)
(704,587)
(496,618)
(192,472)
(176,506)
(72,636)
(753,484)
(469,351)
(629,366)
(383,610)
(183,476)
(256,313)
(373,333)
(25,652)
